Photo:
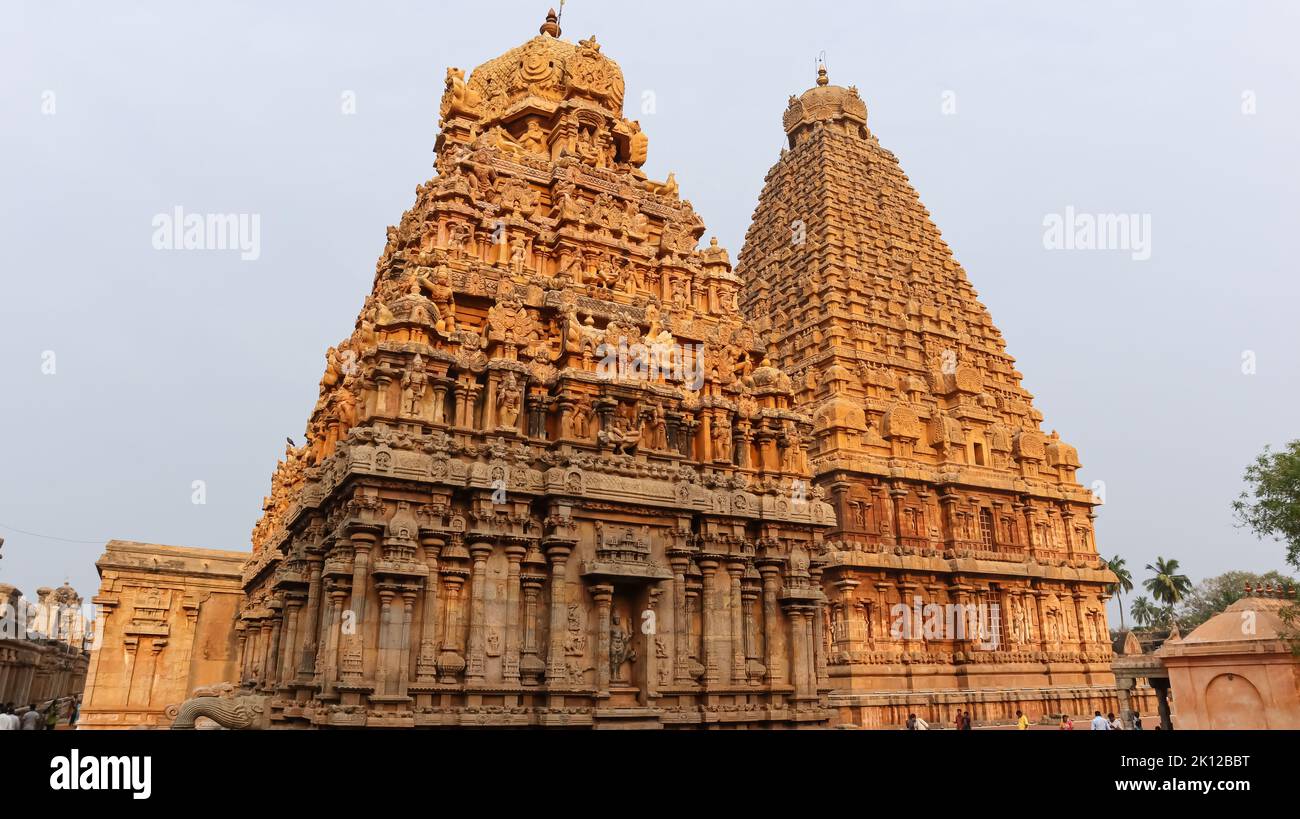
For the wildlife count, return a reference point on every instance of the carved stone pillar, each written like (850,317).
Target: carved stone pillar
(708,602)
(749,593)
(510,662)
(818,625)
(362,542)
(292,637)
(426,662)
(307,657)
(476,670)
(451,660)
(385,670)
(680,559)
(533,576)
(404,646)
(603,595)
(799,654)
(333,631)
(736,571)
(272,676)
(556,672)
(771,572)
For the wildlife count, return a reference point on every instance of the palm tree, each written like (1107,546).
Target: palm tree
(1144,613)
(1125,584)
(1167,585)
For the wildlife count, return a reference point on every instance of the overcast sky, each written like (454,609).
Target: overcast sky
(171,367)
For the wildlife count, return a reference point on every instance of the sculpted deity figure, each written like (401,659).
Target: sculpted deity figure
(620,648)
(581,419)
(413,384)
(722,440)
(458,236)
(508,403)
(438,286)
(621,440)
(518,257)
(533,138)
(652,318)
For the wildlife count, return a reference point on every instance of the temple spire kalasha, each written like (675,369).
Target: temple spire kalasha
(946,490)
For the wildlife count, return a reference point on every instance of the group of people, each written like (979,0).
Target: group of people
(961,721)
(1099,723)
(34,719)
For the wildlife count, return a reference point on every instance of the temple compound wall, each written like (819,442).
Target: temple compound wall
(166,617)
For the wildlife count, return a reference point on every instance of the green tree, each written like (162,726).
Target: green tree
(1214,594)
(1117,565)
(1270,506)
(1144,613)
(1166,584)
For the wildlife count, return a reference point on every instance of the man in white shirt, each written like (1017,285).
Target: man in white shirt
(1099,722)
(8,721)
(31,719)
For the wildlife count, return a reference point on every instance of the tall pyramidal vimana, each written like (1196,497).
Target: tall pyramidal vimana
(945,489)
(569,469)
(549,479)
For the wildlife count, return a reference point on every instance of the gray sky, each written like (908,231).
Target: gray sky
(177,366)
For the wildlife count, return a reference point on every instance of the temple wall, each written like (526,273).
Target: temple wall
(889,710)
(1236,691)
(167,617)
(35,671)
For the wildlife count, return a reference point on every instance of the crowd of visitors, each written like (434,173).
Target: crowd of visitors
(33,718)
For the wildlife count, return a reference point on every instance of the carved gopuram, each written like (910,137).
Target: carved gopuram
(550,479)
(946,491)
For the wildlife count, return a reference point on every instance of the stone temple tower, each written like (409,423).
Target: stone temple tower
(549,479)
(952,504)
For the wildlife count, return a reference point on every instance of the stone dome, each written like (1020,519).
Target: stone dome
(825,103)
(550,70)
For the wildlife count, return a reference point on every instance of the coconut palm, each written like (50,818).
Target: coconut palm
(1144,613)
(1117,565)
(1167,585)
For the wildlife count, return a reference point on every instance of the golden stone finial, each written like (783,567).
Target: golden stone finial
(552,24)
(822,79)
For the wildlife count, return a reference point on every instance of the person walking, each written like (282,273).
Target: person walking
(958,721)
(72,715)
(52,716)
(31,720)
(1115,724)
(1137,720)
(1067,724)
(1099,723)
(1022,721)
(965,721)
(7,724)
